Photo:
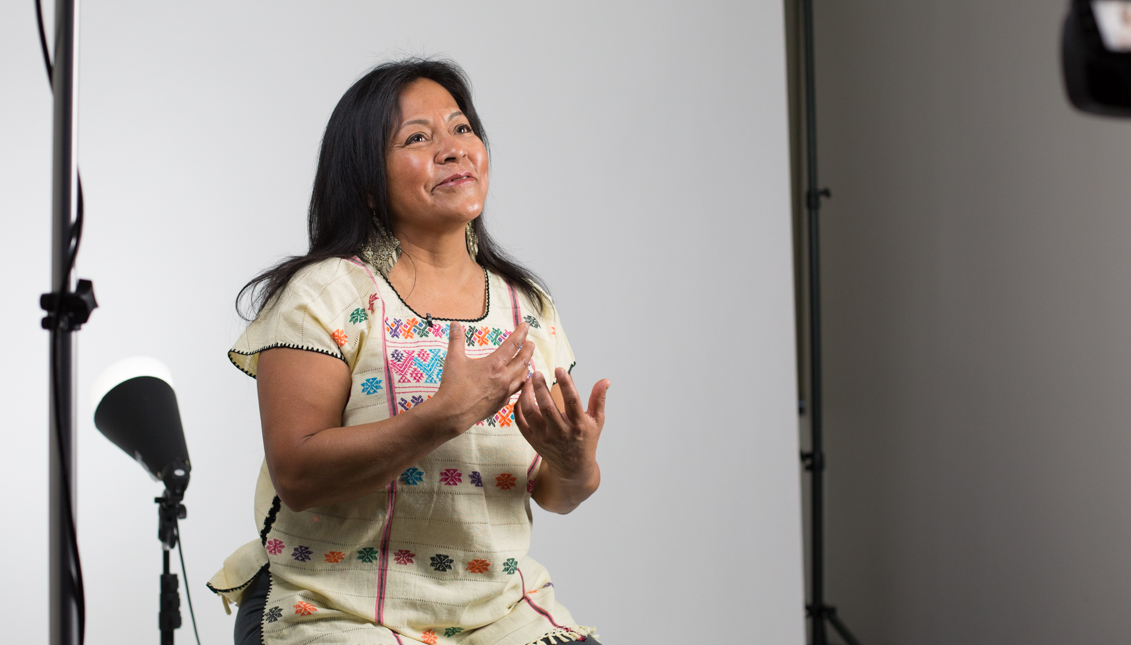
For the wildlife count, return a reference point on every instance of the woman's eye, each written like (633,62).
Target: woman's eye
(463,128)
(416,138)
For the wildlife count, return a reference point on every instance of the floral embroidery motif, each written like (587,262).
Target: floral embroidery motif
(502,418)
(510,566)
(408,404)
(273,614)
(451,476)
(483,336)
(532,321)
(333,556)
(372,299)
(404,556)
(412,476)
(422,329)
(371,386)
(303,608)
(478,566)
(367,555)
(302,553)
(403,365)
(275,547)
(554,332)
(429,637)
(530,486)
(477,478)
(505,481)
(548,584)
(340,337)
(393,328)
(430,365)
(358,316)
(441,562)
(452,631)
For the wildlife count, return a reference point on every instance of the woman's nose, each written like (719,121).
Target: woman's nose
(449,148)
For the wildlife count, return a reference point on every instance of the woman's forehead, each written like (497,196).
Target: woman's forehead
(422,100)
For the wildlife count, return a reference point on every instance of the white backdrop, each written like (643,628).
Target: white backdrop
(639,163)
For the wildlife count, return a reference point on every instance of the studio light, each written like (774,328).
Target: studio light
(136,409)
(1096,56)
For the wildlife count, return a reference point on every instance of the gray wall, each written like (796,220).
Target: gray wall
(977,272)
(639,163)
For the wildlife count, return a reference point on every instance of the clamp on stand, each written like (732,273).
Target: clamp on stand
(170,511)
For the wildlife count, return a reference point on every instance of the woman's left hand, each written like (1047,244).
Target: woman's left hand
(566,438)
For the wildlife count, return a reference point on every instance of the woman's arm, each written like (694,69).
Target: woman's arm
(566,436)
(315,461)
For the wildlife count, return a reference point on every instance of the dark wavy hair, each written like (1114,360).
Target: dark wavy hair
(351,168)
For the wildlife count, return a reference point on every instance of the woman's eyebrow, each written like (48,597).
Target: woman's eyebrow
(427,122)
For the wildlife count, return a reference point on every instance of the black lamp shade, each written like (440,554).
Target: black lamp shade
(139,414)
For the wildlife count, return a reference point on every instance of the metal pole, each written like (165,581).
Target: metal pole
(62,561)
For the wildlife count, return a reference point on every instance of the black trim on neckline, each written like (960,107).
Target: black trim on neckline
(486,282)
(273,346)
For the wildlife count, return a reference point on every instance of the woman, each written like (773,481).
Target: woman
(403,368)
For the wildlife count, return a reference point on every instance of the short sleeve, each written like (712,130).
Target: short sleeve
(325,308)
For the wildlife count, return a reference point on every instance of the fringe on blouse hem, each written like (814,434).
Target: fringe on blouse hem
(565,635)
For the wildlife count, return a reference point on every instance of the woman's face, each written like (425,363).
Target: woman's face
(436,165)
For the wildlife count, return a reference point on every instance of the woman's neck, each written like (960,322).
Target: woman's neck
(435,275)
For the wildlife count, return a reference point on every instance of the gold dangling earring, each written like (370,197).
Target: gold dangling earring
(472,242)
(383,250)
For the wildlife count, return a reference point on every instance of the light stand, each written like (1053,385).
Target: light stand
(67,310)
(814,460)
(169,511)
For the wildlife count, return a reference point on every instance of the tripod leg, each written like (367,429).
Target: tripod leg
(841,629)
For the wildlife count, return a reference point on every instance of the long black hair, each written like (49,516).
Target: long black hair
(351,171)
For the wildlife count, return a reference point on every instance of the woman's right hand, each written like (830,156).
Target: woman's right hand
(472,389)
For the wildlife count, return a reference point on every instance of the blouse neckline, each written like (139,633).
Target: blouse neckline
(486,312)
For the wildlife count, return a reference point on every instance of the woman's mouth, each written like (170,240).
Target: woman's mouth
(457,179)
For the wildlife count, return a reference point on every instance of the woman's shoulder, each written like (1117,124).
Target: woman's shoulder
(329,279)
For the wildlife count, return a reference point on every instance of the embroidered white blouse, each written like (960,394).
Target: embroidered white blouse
(439,555)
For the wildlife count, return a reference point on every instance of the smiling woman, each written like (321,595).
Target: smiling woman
(406,413)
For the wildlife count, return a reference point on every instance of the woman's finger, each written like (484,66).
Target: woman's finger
(520,418)
(546,406)
(530,412)
(597,401)
(513,344)
(455,340)
(572,400)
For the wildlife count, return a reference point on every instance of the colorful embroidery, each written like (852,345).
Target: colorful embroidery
(273,614)
(275,547)
(451,477)
(429,637)
(441,331)
(358,316)
(478,566)
(530,486)
(304,608)
(505,481)
(412,476)
(367,555)
(371,386)
(404,556)
(333,556)
(554,332)
(302,553)
(407,330)
(430,365)
(441,562)
(503,418)
(404,366)
(340,337)
(510,566)
(548,584)
(422,329)
(393,328)
(477,478)
(372,299)
(452,631)
(532,321)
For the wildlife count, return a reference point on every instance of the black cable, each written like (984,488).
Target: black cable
(56,330)
(184,574)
